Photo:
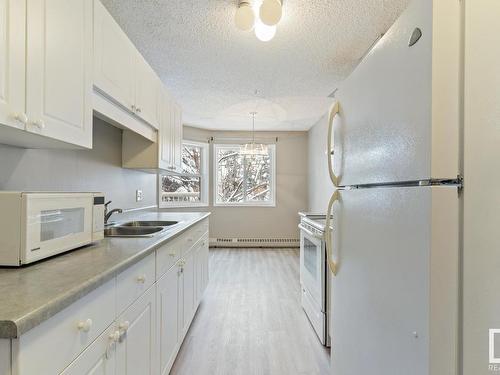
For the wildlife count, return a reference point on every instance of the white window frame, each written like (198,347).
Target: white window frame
(205,175)
(271,203)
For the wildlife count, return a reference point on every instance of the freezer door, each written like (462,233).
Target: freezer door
(395,296)
(399,109)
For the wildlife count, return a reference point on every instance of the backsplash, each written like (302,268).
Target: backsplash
(98,169)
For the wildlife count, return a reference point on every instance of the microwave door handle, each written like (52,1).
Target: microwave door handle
(330,151)
(308,232)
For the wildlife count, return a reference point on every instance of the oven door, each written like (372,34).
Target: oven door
(55,223)
(312,266)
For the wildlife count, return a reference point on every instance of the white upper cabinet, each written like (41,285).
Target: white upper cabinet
(165,154)
(166,136)
(147,92)
(120,71)
(12,63)
(177,139)
(46,73)
(59,70)
(114,59)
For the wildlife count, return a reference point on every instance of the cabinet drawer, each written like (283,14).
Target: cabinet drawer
(134,281)
(51,346)
(167,256)
(193,236)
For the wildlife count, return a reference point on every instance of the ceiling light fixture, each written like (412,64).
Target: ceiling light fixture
(262,16)
(271,12)
(245,17)
(252,148)
(264,32)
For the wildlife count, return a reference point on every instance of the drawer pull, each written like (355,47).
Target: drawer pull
(123,327)
(141,279)
(85,326)
(172,254)
(114,336)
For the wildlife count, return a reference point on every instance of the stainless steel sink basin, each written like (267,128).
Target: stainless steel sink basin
(131,231)
(149,224)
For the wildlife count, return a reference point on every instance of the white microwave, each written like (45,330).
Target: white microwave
(34,226)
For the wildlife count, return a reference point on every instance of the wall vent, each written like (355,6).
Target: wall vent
(254,242)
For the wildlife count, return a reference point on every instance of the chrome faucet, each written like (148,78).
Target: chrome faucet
(107,214)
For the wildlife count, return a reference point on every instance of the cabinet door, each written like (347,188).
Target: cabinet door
(167,315)
(135,351)
(98,359)
(12,62)
(114,59)
(205,265)
(165,132)
(147,91)
(189,291)
(177,139)
(59,70)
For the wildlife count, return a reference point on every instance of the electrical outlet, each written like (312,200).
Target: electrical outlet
(139,195)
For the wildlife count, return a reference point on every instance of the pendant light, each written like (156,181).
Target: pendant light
(245,17)
(271,12)
(252,148)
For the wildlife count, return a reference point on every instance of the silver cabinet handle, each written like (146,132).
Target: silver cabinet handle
(139,110)
(333,112)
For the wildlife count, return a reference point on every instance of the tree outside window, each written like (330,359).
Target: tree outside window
(244,179)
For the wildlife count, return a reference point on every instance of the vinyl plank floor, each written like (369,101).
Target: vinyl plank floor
(250,321)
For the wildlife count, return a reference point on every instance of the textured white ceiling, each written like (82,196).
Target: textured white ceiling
(213,69)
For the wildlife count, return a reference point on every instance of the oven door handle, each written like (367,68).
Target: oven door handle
(308,232)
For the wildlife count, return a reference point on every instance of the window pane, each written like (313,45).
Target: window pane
(258,172)
(191,159)
(230,180)
(181,189)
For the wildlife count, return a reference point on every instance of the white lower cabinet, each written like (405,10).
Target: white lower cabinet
(188,297)
(98,359)
(167,290)
(132,325)
(135,349)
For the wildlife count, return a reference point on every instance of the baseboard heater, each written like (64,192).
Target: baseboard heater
(254,242)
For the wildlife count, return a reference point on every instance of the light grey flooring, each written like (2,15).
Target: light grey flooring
(250,320)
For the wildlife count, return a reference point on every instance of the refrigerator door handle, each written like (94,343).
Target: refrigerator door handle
(333,112)
(328,234)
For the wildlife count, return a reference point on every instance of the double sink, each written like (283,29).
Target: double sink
(139,228)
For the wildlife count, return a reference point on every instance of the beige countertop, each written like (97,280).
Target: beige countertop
(32,294)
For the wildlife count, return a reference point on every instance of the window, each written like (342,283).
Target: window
(189,188)
(243,180)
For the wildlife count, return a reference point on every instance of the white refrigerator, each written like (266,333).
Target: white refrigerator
(396,162)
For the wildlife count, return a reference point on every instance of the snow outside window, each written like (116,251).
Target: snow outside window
(189,188)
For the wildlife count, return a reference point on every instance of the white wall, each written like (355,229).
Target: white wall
(320,186)
(98,169)
(291,190)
